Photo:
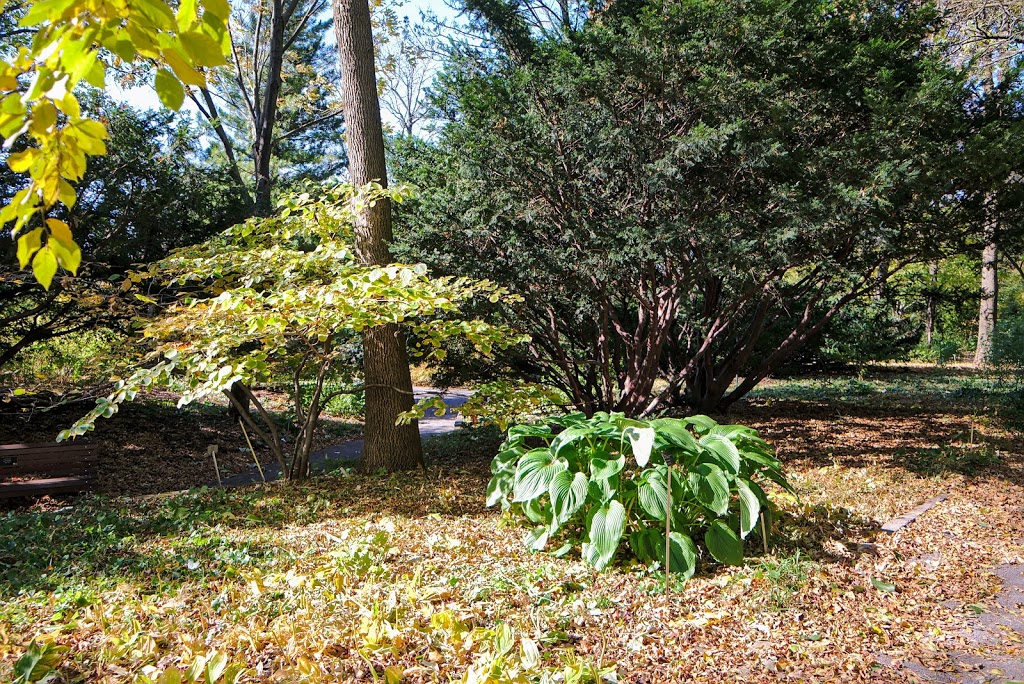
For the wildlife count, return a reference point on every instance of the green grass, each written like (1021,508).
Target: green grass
(781,578)
(965,459)
(938,384)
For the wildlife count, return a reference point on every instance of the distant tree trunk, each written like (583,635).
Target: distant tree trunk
(213,116)
(385,362)
(988,310)
(262,146)
(932,302)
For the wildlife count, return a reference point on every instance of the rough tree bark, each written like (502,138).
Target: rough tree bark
(987,311)
(932,302)
(385,362)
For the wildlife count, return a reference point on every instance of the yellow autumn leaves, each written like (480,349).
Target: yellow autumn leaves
(73,41)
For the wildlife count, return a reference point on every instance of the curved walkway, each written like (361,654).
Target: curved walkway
(350,451)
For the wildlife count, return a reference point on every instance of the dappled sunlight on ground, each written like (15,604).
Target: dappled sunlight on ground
(353,578)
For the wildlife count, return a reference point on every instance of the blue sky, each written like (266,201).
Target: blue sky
(144,97)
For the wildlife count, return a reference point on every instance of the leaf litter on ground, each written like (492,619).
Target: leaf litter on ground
(409,578)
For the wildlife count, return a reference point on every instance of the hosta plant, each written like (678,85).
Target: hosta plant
(602,481)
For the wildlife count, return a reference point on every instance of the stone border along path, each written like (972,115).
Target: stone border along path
(349,452)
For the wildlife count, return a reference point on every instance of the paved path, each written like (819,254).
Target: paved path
(350,451)
(1000,627)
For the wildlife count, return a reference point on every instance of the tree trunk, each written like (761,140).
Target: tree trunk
(262,147)
(213,116)
(241,393)
(932,302)
(987,311)
(385,362)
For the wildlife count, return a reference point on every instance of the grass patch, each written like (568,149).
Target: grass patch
(965,459)
(781,578)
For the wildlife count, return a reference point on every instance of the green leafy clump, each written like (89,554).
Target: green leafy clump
(601,480)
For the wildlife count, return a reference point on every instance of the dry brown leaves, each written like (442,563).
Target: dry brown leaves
(149,446)
(397,572)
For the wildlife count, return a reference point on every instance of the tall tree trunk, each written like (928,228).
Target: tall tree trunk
(212,114)
(262,147)
(988,310)
(385,362)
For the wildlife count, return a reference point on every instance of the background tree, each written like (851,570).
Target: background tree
(690,195)
(987,37)
(407,69)
(150,193)
(276,103)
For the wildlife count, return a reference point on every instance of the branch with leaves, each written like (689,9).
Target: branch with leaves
(284,298)
(73,39)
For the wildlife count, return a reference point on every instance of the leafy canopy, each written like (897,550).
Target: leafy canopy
(687,193)
(73,41)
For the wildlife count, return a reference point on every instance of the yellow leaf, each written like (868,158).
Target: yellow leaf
(60,230)
(203,49)
(44,266)
(171,676)
(188,12)
(50,185)
(69,105)
(68,255)
(44,115)
(28,244)
(393,674)
(74,160)
(141,38)
(12,104)
(20,162)
(218,8)
(8,83)
(91,145)
(183,69)
(169,89)
(66,194)
(97,73)
(92,128)
(306,666)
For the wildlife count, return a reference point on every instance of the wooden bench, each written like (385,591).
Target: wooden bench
(54,468)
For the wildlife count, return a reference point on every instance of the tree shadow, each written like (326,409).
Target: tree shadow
(926,438)
(823,533)
(161,541)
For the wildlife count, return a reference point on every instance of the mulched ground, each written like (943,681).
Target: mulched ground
(150,446)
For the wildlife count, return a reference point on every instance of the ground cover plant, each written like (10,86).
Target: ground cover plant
(606,479)
(352,578)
